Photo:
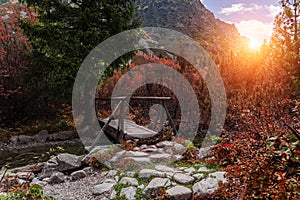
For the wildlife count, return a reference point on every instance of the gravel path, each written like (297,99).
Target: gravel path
(74,190)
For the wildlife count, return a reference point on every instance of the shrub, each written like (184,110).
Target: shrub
(262,163)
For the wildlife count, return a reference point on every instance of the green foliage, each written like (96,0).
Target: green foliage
(118,189)
(66,32)
(51,152)
(139,194)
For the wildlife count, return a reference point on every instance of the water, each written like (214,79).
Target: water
(17,156)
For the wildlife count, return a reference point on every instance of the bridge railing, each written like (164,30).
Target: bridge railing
(124,100)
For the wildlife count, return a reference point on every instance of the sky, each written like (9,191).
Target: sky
(253,18)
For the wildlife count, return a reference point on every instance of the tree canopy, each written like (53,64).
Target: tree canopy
(66,32)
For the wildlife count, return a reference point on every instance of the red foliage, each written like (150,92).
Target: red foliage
(14,45)
(262,163)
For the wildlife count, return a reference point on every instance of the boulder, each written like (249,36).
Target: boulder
(220,176)
(129,181)
(25,139)
(153,188)
(140,160)
(62,135)
(14,139)
(56,177)
(183,178)
(160,157)
(203,169)
(206,186)
(163,168)
(165,144)
(78,175)
(68,162)
(41,137)
(190,170)
(146,174)
(129,193)
(38,182)
(179,193)
(103,188)
(136,154)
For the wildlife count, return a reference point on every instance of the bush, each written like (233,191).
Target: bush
(262,163)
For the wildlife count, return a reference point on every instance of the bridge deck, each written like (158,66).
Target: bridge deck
(130,128)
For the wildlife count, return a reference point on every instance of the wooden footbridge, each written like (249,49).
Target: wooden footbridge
(117,128)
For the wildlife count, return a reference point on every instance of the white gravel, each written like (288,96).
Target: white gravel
(73,190)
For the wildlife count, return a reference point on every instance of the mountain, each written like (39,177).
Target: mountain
(193,19)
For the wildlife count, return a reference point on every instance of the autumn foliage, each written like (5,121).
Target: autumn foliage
(14,48)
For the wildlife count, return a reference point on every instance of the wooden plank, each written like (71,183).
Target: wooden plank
(132,129)
(135,97)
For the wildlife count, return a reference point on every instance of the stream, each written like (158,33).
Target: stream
(21,155)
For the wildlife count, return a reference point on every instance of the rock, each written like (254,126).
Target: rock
(220,176)
(38,182)
(178,157)
(160,157)
(140,160)
(206,186)
(204,169)
(25,139)
(52,162)
(178,147)
(78,175)
(141,186)
(136,154)
(130,173)
(183,178)
(14,139)
(179,192)
(56,177)
(190,170)
(146,174)
(136,149)
(198,176)
(129,193)
(150,150)
(169,151)
(190,18)
(204,152)
(103,188)
(153,188)
(165,144)
(62,135)
(113,195)
(111,173)
(95,150)
(144,146)
(67,162)
(163,168)
(130,181)
(109,180)
(47,171)
(88,170)
(41,137)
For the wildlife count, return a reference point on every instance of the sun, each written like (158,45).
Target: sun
(254,44)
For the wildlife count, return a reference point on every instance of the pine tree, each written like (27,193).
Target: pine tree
(67,31)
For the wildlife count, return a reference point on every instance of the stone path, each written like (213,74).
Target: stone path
(67,176)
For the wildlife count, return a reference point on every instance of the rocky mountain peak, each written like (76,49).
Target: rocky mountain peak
(192,18)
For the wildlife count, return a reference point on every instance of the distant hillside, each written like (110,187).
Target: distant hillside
(192,18)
